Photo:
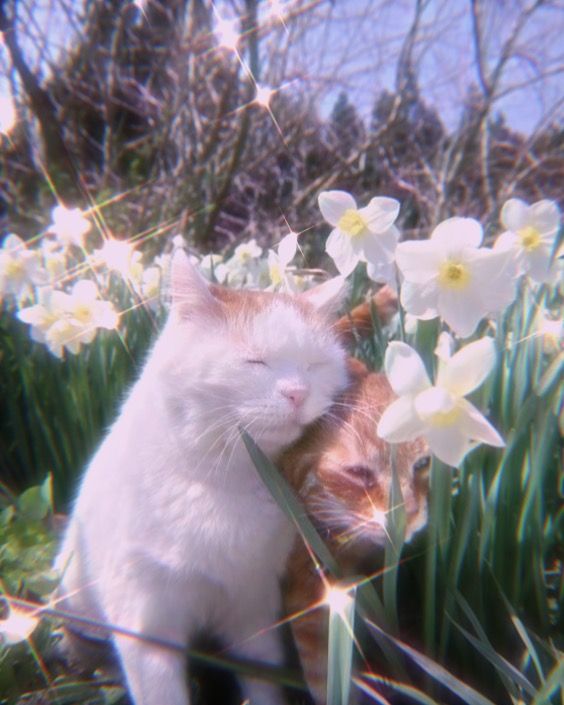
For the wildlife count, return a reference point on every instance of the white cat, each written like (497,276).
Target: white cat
(172,530)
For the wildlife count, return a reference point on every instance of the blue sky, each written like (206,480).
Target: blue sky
(353,45)
(357,47)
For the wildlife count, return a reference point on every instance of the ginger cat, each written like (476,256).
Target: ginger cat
(342,471)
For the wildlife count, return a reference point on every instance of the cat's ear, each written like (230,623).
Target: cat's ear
(189,291)
(327,297)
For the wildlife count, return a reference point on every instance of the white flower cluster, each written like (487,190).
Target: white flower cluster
(450,276)
(64,290)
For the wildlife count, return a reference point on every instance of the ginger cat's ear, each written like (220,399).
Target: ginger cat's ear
(327,297)
(190,292)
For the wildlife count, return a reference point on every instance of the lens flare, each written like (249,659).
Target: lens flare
(337,599)
(263,95)
(17,626)
(227,33)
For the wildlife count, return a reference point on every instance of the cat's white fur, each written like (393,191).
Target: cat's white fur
(172,530)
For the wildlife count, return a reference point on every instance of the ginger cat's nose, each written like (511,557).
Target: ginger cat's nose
(296,393)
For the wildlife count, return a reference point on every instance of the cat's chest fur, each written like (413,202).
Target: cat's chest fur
(163,498)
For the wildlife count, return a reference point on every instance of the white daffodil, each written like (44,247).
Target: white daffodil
(121,257)
(361,234)
(451,276)
(54,259)
(530,235)
(64,320)
(279,259)
(243,267)
(20,268)
(213,268)
(247,251)
(69,226)
(151,287)
(450,424)
(49,309)
(86,310)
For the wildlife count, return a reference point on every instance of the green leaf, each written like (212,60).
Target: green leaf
(32,504)
(340,651)
(289,503)
(552,685)
(413,693)
(438,672)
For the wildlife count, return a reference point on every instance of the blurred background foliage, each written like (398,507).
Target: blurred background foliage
(140,100)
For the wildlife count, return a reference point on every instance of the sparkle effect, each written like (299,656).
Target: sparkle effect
(227,33)
(17,626)
(338,599)
(263,95)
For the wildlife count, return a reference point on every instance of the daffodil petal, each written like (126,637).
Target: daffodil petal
(405,370)
(107,317)
(12,243)
(462,310)
(287,248)
(381,247)
(380,214)
(383,273)
(476,426)
(468,368)
(514,214)
(399,422)
(544,216)
(449,444)
(419,299)
(85,290)
(418,261)
(537,263)
(506,241)
(340,248)
(455,233)
(333,204)
(33,315)
(433,401)
(495,277)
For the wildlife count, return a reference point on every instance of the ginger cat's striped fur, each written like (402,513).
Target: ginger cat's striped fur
(342,471)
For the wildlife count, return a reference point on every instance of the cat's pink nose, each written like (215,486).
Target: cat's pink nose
(296,394)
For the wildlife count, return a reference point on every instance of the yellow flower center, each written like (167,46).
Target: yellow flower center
(443,419)
(530,238)
(351,223)
(14,269)
(275,274)
(454,275)
(83,313)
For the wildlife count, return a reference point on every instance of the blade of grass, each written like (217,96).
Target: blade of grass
(369,603)
(552,685)
(395,527)
(408,690)
(340,651)
(289,503)
(438,673)
(511,677)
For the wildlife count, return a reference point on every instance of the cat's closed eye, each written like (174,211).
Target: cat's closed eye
(422,464)
(361,474)
(256,361)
